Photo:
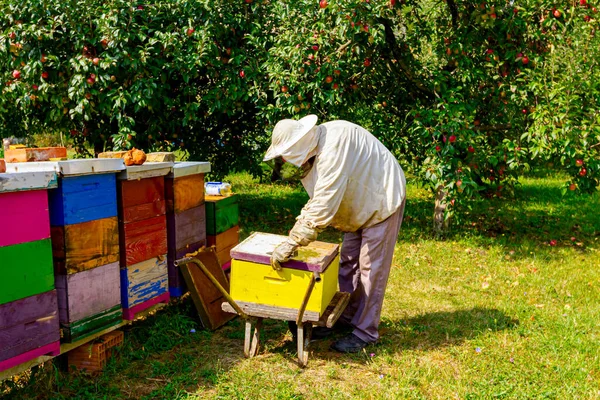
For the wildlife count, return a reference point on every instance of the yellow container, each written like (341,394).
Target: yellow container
(254,282)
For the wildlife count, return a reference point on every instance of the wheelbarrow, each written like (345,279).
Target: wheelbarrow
(254,315)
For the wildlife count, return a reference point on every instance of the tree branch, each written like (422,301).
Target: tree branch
(453,12)
(392,42)
(491,128)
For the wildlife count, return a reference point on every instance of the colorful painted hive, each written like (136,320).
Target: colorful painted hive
(254,282)
(144,285)
(222,213)
(28,329)
(142,208)
(223,243)
(25,248)
(186,216)
(84,246)
(143,236)
(89,301)
(83,198)
(34,154)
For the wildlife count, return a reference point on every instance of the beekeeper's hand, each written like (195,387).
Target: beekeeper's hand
(303,234)
(282,253)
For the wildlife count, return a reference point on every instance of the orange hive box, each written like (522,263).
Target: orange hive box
(92,357)
(2,166)
(34,154)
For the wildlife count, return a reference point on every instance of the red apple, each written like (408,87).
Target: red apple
(553,242)
(572,186)
(458,183)
(35,87)
(90,81)
(438,148)
(311,56)
(104,43)
(556,13)
(16,74)
(337,72)
(323,3)
(329,79)
(525,60)
(471,149)
(489,51)
(367,62)
(45,75)
(392,3)
(452,138)
(140,7)
(113,78)
(88,96)
(579,162)
(44,59)
(583,172)
(190,31)
(448,51)
(284,89)
(493,15)
(524,111)
(95,60)
(93,76)
(594,9)
(583,2)
(587,18)
(12,35)
(336,86)
(242,74)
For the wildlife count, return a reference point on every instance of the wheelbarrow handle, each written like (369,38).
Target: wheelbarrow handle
(315,277)
(187,260)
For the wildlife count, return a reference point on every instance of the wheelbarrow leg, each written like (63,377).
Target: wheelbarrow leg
(252,337)
(303,340)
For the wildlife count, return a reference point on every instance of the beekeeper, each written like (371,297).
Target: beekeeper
(357,186)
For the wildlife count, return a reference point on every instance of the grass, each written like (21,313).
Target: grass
(491,311)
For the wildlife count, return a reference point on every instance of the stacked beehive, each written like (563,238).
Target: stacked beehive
(186,216)
(143,236)
(28,304)
(222,219)
(85,244)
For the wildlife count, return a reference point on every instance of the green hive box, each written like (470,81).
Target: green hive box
(26,270)
(222,213)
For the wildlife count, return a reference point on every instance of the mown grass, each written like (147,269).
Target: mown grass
(490,311)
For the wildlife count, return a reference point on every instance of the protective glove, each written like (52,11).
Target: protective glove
(303,234)
(282,253)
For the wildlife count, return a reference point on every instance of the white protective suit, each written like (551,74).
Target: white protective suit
(355,181)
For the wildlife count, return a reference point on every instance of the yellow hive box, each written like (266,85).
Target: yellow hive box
(254,282)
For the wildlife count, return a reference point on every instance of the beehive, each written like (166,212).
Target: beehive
(143,236)
(253,280)
(222,213)
(28,329)
(25,248)
(186,216)
(85,243)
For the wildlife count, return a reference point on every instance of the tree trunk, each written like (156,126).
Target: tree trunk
(277,165)
(440,224)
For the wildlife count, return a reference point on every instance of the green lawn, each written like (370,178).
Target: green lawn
(491,311)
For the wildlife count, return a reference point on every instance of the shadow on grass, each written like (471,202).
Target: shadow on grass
(442,328)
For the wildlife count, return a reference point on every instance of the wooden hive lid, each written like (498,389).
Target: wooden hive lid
(19,181)
(258,248)
(185,168)
(85,166)
(146,170)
